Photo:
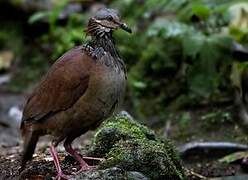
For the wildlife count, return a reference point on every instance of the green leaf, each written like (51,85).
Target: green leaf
(139,85)
(201,10)
(192,44)
(38,16)
(168,29)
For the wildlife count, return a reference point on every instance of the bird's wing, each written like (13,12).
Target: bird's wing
(63,85)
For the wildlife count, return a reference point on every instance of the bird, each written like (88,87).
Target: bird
(81,89)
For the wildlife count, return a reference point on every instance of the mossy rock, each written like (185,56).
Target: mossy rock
(110,174)
(130,146)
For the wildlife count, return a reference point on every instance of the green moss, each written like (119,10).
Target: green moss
(131,146)
(129,127)
(118,128)
(149,157)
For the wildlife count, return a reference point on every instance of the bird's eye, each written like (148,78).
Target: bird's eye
(110,18)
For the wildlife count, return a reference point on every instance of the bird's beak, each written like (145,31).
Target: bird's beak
(125,27)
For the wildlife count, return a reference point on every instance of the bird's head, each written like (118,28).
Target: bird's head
(104,22)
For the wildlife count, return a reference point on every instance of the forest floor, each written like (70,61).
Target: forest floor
(202,127)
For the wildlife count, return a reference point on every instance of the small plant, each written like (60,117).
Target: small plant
(61,37)
(215,119)
(178,56)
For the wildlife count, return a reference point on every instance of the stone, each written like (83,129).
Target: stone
(130,146)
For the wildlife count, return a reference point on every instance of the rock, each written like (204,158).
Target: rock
(11,109)
(110,173)
(239,177)
(4,79)
(134,175)
(10,123)
(213,149)
(8,138)
(130,146)
(10,114)
(15,113)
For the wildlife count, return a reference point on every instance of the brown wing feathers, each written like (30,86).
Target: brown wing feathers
(64,84)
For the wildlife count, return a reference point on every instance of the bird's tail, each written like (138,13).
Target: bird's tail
(30,141)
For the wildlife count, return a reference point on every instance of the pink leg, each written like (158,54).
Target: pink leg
(84,166)
(54,154)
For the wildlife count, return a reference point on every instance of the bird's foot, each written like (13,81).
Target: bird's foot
(62,176)
(85,168)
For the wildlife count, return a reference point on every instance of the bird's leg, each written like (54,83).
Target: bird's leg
(84,166)
(60,174)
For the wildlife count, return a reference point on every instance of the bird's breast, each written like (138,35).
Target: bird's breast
(104,94)
(108,85)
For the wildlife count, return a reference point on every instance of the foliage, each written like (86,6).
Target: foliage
(28,64)
(179,54)
(63,37)
(168,47)
(180,58)
(214,119)
(10,38)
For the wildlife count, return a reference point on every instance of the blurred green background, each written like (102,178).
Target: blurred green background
(182,57)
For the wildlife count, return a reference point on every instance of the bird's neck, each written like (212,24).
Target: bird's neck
(107,43)
(101,38)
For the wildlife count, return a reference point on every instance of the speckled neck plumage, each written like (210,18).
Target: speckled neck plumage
(107,43)
(103,39)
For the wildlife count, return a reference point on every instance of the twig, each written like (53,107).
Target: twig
(189,172)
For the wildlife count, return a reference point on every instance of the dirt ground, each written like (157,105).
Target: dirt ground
(197,167)
(42,166)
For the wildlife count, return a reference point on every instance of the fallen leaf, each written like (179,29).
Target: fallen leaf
(234,157)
